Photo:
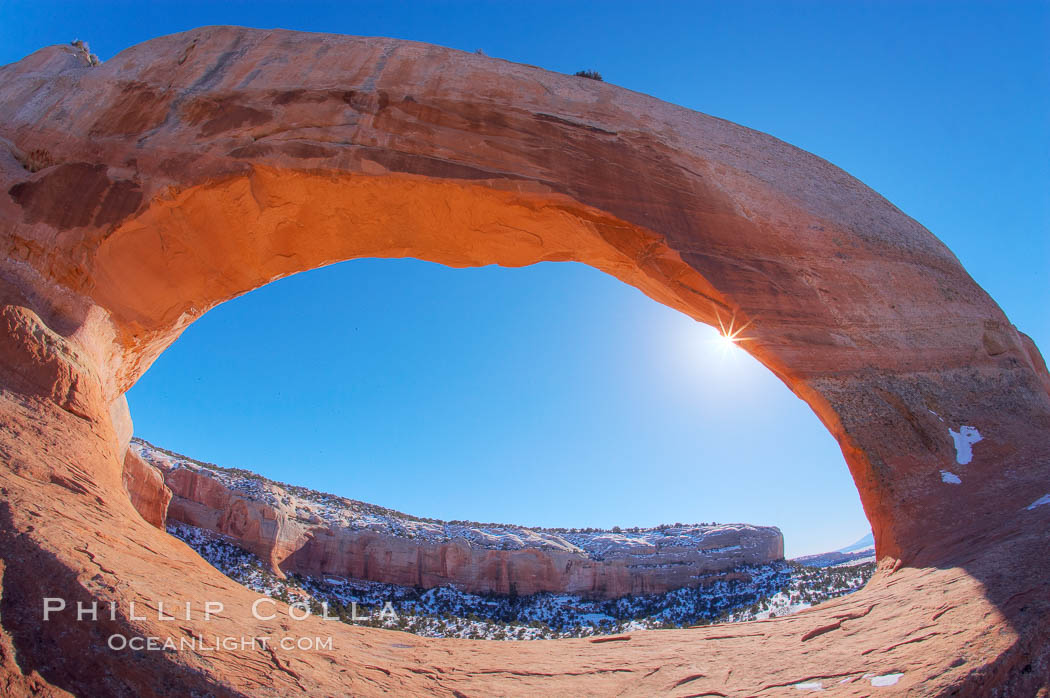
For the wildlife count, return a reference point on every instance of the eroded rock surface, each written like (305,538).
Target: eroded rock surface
(138,194)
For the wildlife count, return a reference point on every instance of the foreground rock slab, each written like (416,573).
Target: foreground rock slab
(195,167)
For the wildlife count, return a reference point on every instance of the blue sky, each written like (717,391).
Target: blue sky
(554,395)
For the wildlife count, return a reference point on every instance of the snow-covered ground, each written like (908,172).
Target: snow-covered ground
(775,589)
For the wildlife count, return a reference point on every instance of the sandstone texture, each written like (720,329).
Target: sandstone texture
(136,195)
(317,534)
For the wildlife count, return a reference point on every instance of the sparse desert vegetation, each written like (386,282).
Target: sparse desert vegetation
(762,591)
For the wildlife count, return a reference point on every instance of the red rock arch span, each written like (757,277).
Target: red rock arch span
(196,167)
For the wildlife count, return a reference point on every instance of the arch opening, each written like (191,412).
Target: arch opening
(165,254)
(650,450)
(395,378)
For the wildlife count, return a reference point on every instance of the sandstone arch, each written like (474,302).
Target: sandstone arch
(196,167)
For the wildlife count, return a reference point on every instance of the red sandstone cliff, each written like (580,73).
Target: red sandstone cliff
(296,534)
(146,489)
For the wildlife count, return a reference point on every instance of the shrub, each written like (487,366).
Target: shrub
(37,160)
(85,50)
(589,74)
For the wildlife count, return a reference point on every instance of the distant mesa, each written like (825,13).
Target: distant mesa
(294,529)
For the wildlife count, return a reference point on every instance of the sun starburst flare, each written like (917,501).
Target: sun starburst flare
(731,336)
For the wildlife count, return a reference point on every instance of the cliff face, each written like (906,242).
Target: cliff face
(269,533)
(385,558)
(317,536)
(146,489)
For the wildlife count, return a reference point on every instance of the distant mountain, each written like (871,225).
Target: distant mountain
(858,553)
(864,543)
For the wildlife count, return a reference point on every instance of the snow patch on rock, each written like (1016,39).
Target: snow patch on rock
(810,686)
(950,478)
(964,440)
(1045,499)
(886,679)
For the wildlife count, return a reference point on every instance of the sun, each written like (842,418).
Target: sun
(726,340)
(730,336)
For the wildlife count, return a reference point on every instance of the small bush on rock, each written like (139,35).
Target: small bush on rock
(36,160)
(85,51)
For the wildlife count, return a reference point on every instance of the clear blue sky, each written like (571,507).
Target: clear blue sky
(554,395)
